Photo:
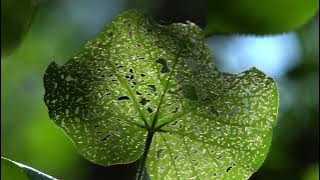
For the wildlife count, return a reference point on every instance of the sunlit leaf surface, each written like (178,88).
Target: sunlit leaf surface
(142,90)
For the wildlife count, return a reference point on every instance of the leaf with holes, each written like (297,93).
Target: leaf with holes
(140,90)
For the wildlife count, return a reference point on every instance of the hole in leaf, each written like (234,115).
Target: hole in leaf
(144,101)
(119,66)
(105,138)
(142,75)
(149,110)
(175,111)
(163,62)
(174,123)
(123,98)
(138,93)
(95,126)
(130,77)
(228,169)
(159,152)
(107,92)
(153,87)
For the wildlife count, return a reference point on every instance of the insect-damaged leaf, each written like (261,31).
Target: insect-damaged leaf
(137,79)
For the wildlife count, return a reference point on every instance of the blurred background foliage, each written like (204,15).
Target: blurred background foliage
(17,24)
(59,28)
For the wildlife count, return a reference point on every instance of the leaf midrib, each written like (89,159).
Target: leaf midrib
(131,94)
(155,118)
(152,130)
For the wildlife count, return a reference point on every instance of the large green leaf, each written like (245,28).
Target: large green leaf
(139,90)
(11,170)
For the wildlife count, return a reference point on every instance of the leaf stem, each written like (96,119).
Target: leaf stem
(142,161)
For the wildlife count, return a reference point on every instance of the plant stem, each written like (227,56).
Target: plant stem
(141,167)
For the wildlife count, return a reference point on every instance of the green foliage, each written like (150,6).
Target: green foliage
(13,170)
(144,91)
(16,16)
(259,17)
(312,173)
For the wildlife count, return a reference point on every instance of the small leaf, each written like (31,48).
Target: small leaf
(9,170)
(311,173)
(144,91)
(14,170)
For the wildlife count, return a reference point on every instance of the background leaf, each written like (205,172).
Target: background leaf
(13,170)
(16,17)
(229,17)
(259,17)
(312,173)
(9,170)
